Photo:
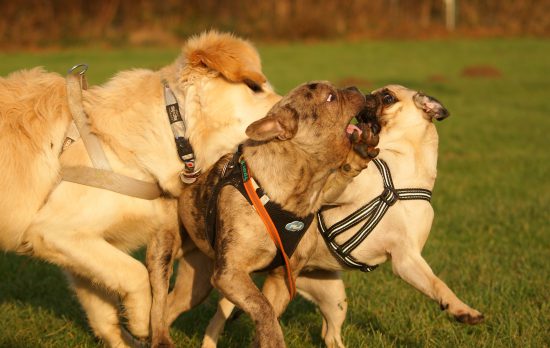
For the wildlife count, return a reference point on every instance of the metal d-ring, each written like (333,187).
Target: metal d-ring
(84,68)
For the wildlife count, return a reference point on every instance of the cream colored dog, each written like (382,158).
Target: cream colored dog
(87,231)
(408,144)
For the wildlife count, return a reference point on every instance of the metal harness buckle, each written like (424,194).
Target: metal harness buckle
(189,178)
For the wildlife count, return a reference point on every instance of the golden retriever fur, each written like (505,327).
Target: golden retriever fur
(32,124)
(87,231)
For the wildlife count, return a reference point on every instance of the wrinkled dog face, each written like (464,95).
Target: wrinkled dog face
(396,105)
(315,116)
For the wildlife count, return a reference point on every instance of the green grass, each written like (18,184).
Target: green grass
(490,241)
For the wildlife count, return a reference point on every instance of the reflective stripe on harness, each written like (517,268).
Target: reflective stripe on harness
(371,213)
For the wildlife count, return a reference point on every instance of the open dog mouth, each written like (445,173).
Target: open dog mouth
(371,113)
(352,128)
(363,136)
(366,116)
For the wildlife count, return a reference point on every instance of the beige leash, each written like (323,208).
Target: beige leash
(108,180)
(101,175)
(76,82)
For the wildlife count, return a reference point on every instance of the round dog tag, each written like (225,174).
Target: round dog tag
(294,226)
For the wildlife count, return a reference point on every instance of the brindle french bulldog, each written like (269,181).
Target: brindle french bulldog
(303,155)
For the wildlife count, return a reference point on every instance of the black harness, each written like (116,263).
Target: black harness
(371,213)
(291,228)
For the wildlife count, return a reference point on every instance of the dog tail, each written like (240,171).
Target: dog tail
(33,119)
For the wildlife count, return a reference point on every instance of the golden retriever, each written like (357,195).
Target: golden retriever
(87,231)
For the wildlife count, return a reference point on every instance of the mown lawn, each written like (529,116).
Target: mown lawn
(491,237)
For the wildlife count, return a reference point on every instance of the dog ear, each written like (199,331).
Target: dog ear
(236,59)
(280,123)
(431,106)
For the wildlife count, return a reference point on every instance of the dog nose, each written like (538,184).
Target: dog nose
(371,101)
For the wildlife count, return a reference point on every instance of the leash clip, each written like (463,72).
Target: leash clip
(80,69)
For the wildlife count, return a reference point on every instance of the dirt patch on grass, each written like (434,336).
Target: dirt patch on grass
(437,78)
(353,81)
(483,71)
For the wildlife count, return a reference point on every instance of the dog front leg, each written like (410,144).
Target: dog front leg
(326,289)
(362,152)
(274,289)
(160,259)
(237,286)
(412,268)
(340,179)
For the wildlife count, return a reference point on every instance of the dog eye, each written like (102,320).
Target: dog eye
(331,97)
(388,99)
(254,87)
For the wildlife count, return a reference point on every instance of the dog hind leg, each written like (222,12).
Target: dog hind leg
(326,289)
(160,258)
(412,268)
(192,285)
(216,324)
(101,309)
(276,291)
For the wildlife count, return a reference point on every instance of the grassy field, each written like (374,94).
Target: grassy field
(491,237)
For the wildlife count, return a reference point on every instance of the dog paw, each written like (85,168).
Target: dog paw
(470,318)
(163,342)
(364,140)
(140,342)
(131,341)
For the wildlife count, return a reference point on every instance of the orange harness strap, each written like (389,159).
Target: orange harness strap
(271,229)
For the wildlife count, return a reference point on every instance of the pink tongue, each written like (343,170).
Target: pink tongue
(351,128)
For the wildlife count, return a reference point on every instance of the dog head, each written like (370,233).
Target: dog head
(398,106)
(221,79)
(314,116)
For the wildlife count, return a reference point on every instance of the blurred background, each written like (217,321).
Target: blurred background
(60,23)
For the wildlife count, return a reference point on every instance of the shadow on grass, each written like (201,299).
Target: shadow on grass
(10,342)
(365,324)
(238,330)
(32,282)
(371,326)
(301,316)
